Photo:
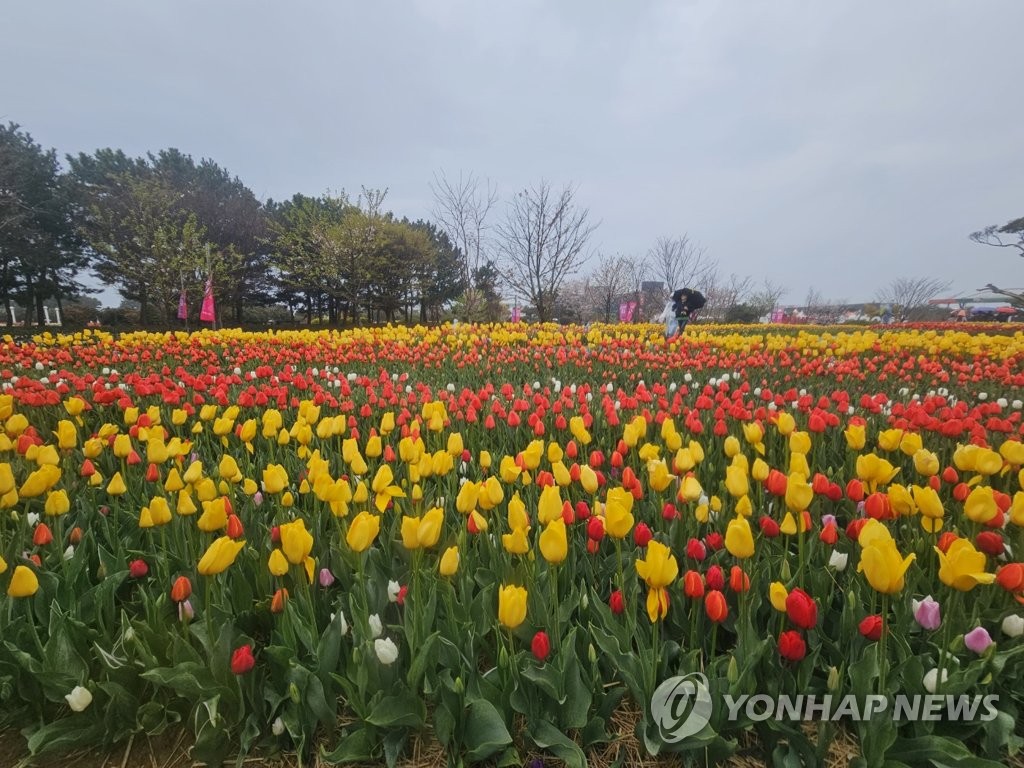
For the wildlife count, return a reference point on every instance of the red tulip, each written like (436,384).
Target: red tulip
(801,609)
(540,646)
(945,540)
(792,646)
(595,528)
(768,526)
(715,577)
(871,627)
(181,590)
(42,535)
(279,600)
(855,490)
(693,585)
(616,602)
(242,660)
(138,569)
(642,535)
(991,543)
(715,606)
(234,527)
(738,580)
(1011,577)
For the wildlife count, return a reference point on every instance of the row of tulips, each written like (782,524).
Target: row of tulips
(243,534)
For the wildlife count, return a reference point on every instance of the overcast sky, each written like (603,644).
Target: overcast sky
(833,145)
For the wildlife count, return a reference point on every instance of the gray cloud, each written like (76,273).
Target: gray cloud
(834,145)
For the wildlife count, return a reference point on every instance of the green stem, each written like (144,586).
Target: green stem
(883,649)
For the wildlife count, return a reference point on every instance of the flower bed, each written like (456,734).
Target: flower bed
(505,535)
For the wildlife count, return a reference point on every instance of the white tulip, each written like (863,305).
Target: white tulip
(376,628)
(838,560)
(393,589)
(1002,402)
(1017,405)
(79,699)
(386,650)
(278,727)
(1013,625)
(931,679)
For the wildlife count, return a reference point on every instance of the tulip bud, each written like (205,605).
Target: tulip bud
(733,673)
(833,679)
(460,687)
(293,693)
(592,651)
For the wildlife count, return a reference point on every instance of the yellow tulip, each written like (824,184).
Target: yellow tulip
(744,507)
(491,493)
(296,541)
(555,453)
(739,539)
(799,493)
(511,606)
(980,505)
(657,604)
(449,562)
(588,479)
(3,565)
(855,437)
(67,435)
(798,465)
(194,473)
(928,501)
(962,567)
(550,505)
(508,470)
(753,433)
(900,500)
(659,568)
(785,423)
(122,446)
(467,498)
(40,481)
(659,478)
(690,489)
(116,486)
(561,474)
(156,451)
(910,443)
(484,460)
(74,406)
(159,511)
(214,516)
(759,471)
(7,481)
(387,423)
(618,514)
(275,478)
(517,516)
(220,554)
(228,469)
(736,482)
(800,442)
(422,532)
(777,595)
(24,582)
(554,544)
(57,503)
(278,563)
(1013,452)
(516,543)
(1017,509)
(185,505)
(926,463)
(362,531)
(731,446)
(532,454)
(880,560)
(889,439)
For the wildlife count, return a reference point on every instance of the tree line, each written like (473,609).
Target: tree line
(158,227)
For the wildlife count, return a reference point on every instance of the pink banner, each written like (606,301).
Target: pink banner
(206,314)
(626,310)
(182,306)
(517,314)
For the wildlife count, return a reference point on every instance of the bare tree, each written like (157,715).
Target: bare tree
(679,262)
(908,296)
(543,239)
(1016,299)
(461,209)
(637,273)
(610,282)
(724,296)
(766,298)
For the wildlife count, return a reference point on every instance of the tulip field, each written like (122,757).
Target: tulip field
(500,540)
